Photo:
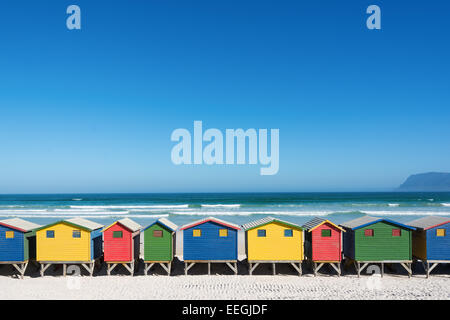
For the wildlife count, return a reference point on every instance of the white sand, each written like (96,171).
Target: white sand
(225,287)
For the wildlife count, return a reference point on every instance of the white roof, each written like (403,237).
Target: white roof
(168,223)
(359,222)
(130,224)
(20,224)
(266,220)
(429,222)
(85,223)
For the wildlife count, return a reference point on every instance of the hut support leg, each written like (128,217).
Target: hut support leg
(424,266)
(209,268)
(233,268)
(167,268)
(110,267)
(89,267)
(129,267)
(382,269)
(317,268)
(64,269)
(274,268)
(407,267)
(252,268)
(336,267)
(357,265)
(363,267)
(187,266)
(86,267)
(147,267)
(429,269)
(44,267)
(299,268)
(21,267)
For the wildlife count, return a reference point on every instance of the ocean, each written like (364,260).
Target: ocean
(239,208)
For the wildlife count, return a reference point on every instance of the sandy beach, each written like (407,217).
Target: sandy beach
(223,286)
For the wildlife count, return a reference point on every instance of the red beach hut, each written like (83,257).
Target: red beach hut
(121,244)
(323,243)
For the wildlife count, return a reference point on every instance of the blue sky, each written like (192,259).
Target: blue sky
(92,110)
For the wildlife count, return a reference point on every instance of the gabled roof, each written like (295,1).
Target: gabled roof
(267,220)
(88,224)
(77,223)
(19,224)
(316,222)
(368,220)
(164,222)
(211,219)
(127,223)
(429,222)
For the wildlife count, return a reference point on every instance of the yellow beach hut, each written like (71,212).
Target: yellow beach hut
(271,240)
(66,242)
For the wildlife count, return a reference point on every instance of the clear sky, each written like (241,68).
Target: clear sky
(92,110)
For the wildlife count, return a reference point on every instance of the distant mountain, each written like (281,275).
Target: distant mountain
(431,181)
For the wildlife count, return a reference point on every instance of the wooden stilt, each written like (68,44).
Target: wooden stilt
(253,267)
(147,267)
(166,265)
(188,266)
(317,267)
(129,267)
(233,267)
(21,268)
(299,268)
(44,267)
(336,267)
(407,264)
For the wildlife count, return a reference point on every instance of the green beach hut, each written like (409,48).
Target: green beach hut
(369,240)
(159,244)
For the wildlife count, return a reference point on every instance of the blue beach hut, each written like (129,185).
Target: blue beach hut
(431,241)
(17,243)
(210,240)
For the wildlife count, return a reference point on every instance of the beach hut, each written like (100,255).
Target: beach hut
(121,245)
(66,242)
(17,243)
(431,241)
(323,244)
(210,240)
(377,240)
(271,240)
(159,244)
